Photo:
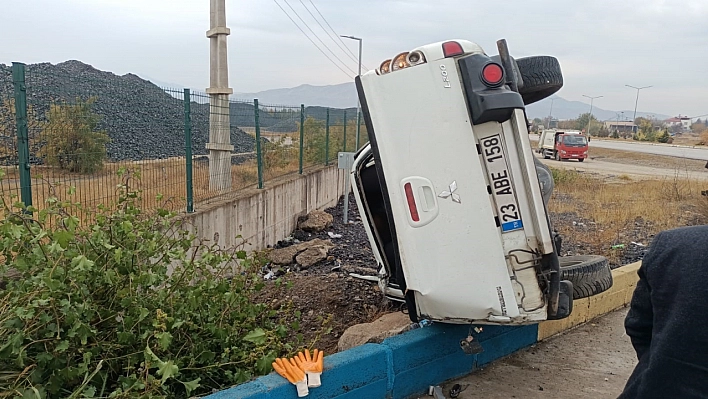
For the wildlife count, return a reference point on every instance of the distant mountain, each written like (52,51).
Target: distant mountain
(344,96)
(564,109)
(334,96)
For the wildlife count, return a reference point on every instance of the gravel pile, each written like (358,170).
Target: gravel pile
(142,120)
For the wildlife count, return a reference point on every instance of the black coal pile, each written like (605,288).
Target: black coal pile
(142,120)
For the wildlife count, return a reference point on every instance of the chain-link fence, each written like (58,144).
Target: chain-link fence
(10,185)
(72,132)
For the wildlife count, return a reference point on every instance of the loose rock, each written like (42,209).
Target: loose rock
(385,326)
(316,221)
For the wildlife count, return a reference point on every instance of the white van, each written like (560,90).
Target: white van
(448,188)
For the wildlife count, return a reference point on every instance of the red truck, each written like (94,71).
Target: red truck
(563,144)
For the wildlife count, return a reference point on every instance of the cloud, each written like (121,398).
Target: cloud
(602,45)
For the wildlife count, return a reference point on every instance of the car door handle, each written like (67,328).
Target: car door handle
(419,199)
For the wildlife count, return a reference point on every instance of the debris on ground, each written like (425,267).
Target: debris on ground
(331,288)
(315,221)
(385,326)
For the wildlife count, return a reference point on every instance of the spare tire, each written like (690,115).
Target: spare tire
(541,75)
(590,274)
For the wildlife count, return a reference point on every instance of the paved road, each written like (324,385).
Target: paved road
(592,361)
(659,149)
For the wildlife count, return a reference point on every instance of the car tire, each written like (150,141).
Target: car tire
(557,156)
(590,274)
(541,75)
(581,159)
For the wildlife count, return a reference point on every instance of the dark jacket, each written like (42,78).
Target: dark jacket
(668,318)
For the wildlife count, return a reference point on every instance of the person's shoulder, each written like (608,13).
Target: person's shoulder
(691,236)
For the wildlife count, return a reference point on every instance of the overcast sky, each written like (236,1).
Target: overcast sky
(602,44)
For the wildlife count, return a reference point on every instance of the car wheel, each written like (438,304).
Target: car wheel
(581,159)
(541,75)
(590,274)
(557,156)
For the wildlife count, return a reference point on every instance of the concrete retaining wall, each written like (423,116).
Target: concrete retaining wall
(404,366)
(264,217)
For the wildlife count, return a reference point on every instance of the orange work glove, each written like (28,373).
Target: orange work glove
(290,370)
(311,365)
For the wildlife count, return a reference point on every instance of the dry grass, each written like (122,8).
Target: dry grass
(640,158)
(625,210)
(165,179)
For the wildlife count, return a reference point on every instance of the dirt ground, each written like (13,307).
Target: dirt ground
(592,361)
(330,300)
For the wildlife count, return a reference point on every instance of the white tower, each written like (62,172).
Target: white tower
(219,144)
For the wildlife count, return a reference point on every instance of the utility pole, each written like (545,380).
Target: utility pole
(550,114)
(219,144)
(358,103)
(590,116)
(635,103)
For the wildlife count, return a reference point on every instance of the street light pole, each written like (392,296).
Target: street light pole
(636,102)
(590,116)
(358,103)
(550,114)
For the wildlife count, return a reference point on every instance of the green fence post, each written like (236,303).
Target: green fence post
(259,154)
(327,139)
(188,149)
(18,79)
(302,133)
(358,128)
(344,149)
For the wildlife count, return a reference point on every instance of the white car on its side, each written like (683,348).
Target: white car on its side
(449,191)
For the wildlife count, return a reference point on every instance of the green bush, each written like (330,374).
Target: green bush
(665,137)
(128,305)
(561,176)
(71,138)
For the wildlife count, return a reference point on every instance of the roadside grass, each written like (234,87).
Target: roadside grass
(161,182)
(634,158)
(619,211)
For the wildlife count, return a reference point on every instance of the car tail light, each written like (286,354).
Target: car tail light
(385,67)
(451,49)
(400,62)
(492,74)
(411,202)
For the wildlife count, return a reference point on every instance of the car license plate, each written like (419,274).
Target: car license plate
(500,183)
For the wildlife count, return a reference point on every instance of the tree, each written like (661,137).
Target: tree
(646,130)
(569,124)
(698,126)
(704,138)
(582,124)
(665,137)
(71,138)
